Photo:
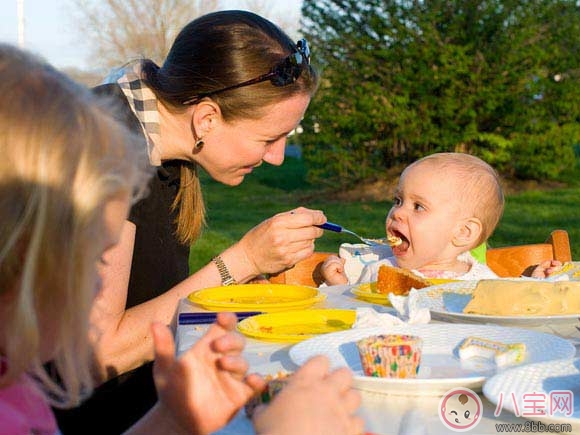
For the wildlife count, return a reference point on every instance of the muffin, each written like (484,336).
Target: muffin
(390,355)
(398,281)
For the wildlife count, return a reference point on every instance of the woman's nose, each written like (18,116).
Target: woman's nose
(275,153)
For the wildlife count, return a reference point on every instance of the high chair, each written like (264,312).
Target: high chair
(518,260)
(305,272)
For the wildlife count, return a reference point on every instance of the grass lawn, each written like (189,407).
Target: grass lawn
(231,211)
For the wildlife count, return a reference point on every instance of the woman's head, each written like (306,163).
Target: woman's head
(224,49)
(199,85)
(445,204)
(65,163)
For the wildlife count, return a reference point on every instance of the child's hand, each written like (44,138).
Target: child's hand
(546,268)
(333,270)
(205,387)
(313,402)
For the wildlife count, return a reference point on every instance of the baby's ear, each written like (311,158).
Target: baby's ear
(467,232)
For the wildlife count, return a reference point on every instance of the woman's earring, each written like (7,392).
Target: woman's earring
(198,145)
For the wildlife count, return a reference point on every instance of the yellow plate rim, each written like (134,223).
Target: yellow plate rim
(364,290)
(197,297)
(346,315)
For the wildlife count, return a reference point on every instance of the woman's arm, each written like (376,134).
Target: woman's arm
(125,340)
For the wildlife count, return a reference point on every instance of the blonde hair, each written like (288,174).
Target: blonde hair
(63,159)
(479,184)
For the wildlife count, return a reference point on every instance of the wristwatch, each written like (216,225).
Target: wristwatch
(225,275)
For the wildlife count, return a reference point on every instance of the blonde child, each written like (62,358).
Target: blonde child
(445,205)
(67,176)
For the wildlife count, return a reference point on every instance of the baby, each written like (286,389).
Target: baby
(445,205)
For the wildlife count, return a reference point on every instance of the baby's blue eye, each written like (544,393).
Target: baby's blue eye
(418,207)
(397,201)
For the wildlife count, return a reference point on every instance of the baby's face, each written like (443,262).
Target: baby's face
(425,214)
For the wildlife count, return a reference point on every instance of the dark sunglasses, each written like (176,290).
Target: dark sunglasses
(283,73)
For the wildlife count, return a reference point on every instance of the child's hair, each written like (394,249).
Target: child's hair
(63,158)
(479,185)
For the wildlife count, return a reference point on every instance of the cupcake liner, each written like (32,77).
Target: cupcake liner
(390,356)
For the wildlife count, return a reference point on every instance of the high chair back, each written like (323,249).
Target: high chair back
(518,260)
(305,272)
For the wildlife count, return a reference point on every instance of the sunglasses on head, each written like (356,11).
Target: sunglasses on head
(283,73)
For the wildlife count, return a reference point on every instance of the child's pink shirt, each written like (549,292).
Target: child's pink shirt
(24,410)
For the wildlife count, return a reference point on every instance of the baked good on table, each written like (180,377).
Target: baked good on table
(524,298)
(398,281)
(503,354)
(274,386)
(390,355)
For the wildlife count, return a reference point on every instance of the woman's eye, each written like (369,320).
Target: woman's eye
(102,262)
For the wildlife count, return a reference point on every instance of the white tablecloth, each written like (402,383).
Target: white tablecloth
(383,414)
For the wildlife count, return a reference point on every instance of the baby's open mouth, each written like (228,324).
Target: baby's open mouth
(397,241)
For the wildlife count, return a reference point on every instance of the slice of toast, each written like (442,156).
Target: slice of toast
(398,281)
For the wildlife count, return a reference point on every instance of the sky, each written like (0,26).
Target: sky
(49,32)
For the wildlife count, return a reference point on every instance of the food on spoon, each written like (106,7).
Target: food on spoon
(274,385)
(524,298)
(393,240)
(390,355)
(503,354)
(398,281)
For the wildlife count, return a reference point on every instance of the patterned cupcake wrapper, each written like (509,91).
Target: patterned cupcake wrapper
(391,361)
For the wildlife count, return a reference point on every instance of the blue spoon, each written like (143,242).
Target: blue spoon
(338,229)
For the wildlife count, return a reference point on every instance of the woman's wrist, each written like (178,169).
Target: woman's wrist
(238,264)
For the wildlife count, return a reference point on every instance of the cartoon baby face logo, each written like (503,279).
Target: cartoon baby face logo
(460,409)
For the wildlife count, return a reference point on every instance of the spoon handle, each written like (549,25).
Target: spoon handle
(331,227)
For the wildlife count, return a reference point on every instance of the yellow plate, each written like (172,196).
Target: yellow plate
(257,297)
(368,291)
(295,326)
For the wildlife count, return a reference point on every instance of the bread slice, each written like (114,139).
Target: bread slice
(398,281)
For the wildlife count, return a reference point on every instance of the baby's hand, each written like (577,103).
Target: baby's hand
(546,268)
(333,270)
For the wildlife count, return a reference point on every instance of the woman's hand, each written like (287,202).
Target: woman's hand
(205,387)
(281,241)
(333,270)
(313,402)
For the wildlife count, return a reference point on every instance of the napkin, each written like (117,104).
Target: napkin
(359,255)
(408,312)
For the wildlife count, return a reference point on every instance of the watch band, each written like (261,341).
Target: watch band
(225,275)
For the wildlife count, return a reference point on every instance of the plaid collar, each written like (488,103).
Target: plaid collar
(143,102)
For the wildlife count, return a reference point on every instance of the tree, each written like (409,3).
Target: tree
(403,78)
(120,30)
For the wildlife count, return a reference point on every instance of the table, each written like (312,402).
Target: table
(383,414)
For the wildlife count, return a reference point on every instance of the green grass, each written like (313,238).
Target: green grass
(232,211)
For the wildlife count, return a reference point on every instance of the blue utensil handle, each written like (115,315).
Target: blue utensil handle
(210,317)
(330,227)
